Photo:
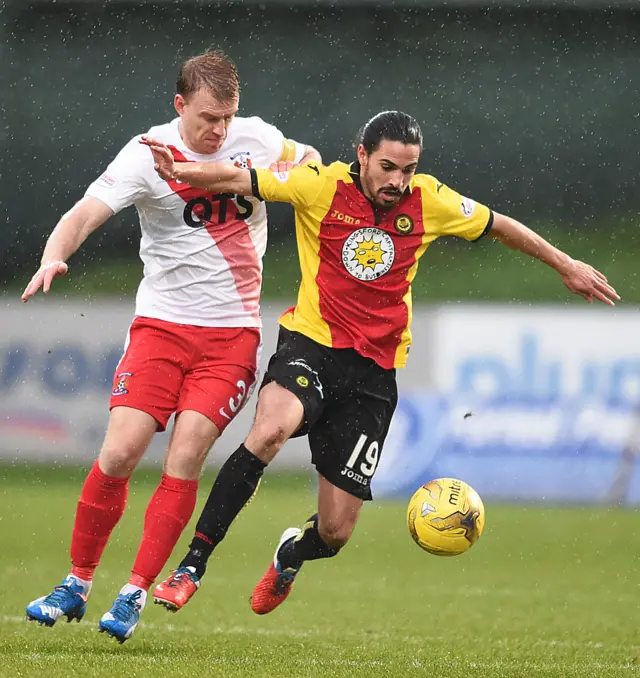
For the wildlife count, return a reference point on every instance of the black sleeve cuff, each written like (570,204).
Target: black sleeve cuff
(256,191)
(487,228)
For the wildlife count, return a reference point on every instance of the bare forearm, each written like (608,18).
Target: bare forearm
(74,228)
(64,240)
(517,236)
(71,231)
(217,177)
(311,155)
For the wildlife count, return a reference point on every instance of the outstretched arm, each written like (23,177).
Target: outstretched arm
(72,230)
(579,277)
(218,177)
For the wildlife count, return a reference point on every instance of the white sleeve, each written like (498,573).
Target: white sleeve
(126,179)
(278,146)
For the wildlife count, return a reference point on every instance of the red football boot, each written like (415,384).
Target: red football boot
(178,589)
(275,586)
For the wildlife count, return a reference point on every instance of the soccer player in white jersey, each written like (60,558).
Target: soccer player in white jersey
(192,348)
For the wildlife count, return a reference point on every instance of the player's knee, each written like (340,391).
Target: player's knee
(335,535)
(266,439)
(118,461)
(185,462)
(129,433)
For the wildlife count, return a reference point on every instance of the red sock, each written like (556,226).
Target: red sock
(100,507)
(168,513)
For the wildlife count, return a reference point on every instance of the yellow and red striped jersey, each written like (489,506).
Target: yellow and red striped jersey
(357,261)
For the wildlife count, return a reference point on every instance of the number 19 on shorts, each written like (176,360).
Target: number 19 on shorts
(363,461)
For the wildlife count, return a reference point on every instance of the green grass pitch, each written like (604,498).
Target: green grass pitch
(545,592)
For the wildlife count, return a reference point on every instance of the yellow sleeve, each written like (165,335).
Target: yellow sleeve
(291,151)
(300,186)
(452,214)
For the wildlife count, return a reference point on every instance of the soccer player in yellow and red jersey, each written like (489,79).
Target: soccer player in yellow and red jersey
(361,231)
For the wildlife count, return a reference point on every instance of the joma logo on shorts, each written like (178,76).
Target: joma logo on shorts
(340,216)
(352,475)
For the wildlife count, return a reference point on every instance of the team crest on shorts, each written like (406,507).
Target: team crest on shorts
(403,223)
(121,384)
(368,253)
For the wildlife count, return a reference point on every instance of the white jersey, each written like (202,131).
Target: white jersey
(202,252)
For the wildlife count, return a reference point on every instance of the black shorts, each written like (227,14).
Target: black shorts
(348,403)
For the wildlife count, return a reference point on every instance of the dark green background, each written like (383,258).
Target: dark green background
(535,113)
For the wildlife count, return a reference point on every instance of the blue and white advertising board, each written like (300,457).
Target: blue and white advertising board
(514,449)
(524,403)
(57,360)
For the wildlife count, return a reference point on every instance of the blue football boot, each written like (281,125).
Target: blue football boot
(121,620)
(68,600)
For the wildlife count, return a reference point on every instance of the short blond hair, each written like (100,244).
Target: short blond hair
(213,71)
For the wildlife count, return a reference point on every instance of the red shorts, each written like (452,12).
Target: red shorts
(168,367)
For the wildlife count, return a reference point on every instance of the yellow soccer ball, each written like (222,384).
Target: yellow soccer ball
(445,517)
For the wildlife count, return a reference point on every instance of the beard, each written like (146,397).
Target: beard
(387,197)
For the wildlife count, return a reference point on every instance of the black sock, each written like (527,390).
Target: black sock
(307,546)
(234,486)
